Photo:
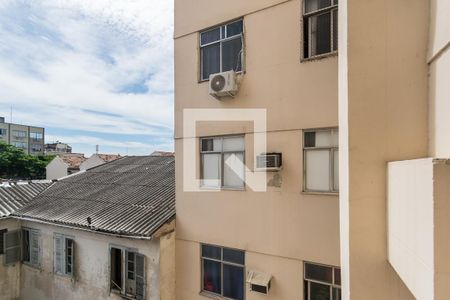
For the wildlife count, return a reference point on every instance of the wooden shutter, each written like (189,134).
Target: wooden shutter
(58,254)
(35,248)
(140,276)
(12,247)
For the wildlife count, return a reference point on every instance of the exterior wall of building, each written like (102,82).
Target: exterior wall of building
(167,266)
(283,227)
(383,101)
(441,177)
(14,139)
(27,143)
(91,266)
(411,209)
(91,162)
(439,62)
(9,275)
(56,169)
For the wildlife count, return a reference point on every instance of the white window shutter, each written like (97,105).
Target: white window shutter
(35,248)
(12,247)
(140,276)
(59,254)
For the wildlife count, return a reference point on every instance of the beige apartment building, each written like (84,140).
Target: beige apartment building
(28,138)
(357,149)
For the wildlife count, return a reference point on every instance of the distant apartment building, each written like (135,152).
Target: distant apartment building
(57,148)
(357,204)
(28,138)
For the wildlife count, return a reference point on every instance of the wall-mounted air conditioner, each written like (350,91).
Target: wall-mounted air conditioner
(259,281)
(269,162)
(223,84)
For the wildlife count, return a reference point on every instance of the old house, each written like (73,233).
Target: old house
(97,160)
(107,233)
(64,164)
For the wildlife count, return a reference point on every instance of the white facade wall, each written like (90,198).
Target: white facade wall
(9,275)
(56,169)
(439,62)
(411,224)
(91,162)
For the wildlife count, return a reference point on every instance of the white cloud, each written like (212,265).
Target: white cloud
(61,58)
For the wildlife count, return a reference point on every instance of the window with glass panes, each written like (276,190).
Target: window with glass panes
(222,161)
(321,160)
(63,254)
(320,27)
(221,49)
(321,282)
(223,271)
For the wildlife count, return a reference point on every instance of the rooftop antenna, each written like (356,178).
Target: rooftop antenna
(96,149)
(10,115)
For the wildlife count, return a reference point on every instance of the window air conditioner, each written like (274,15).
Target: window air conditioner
(259,282)
(223,84)
(269,162)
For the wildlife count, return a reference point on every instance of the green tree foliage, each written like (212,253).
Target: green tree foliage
(16,164)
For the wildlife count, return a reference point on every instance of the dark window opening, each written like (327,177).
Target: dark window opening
(116,269)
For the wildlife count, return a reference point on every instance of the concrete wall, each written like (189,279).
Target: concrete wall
(282,227)
(9,275)
(441,177)
(411,209)
(384,105)
(167,266)
(91,162)
(439,62)
(91,280)
(56,169)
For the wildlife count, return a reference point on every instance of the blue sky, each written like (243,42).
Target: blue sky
(90,72)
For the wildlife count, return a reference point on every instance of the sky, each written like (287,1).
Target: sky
(91,72)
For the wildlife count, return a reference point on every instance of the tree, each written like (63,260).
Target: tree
(16,164)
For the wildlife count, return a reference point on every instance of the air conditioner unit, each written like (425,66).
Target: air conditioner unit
(259,282)
(223,84)
(269,162)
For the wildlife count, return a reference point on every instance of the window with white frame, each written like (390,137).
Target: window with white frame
(221,49)
(321,160)
(19,134)
(127,272)
(223,271)
(320,27)
(36,136)
(2,132)
(222,161)
(321,282)
(20,145)
(63,254)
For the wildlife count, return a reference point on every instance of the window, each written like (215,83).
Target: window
(36,147)
(127,269)
(221,49)
(12,246)
(223,271)
(2,132)
(20,145)
(36,136)
(2,237)
(321,160)
(321,282)
(19,134)
(31,247)
(222,161)
(63,254)
(320,34)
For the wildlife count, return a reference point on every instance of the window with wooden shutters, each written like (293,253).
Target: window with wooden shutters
(2,237)
(31,247)
(63,254)
(140,277)
(12,247)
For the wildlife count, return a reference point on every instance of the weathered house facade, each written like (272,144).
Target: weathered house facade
(107,233)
